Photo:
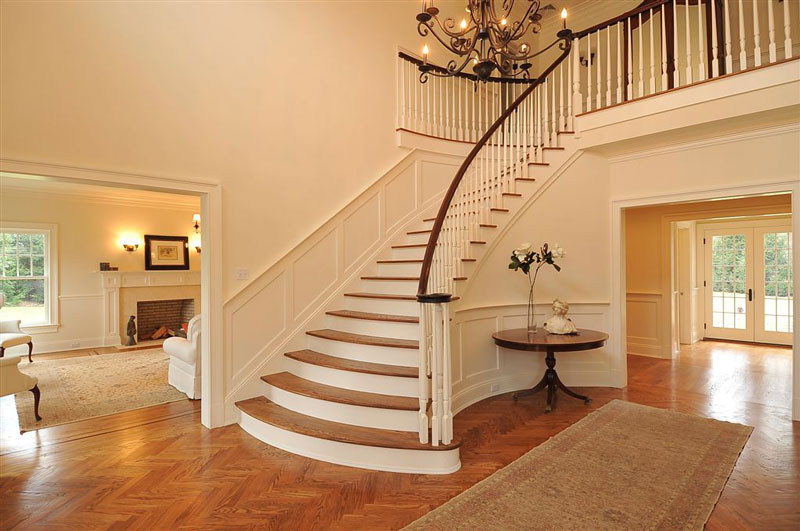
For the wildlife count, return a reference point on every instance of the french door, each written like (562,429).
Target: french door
(748,284)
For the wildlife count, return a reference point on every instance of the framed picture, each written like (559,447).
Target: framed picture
(166,252)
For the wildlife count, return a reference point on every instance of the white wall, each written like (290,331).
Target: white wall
(89,230)
(290,105)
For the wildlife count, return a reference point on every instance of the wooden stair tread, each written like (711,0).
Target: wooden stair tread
(429,219)
(399,261)
(299,386)
(360,339)
(332,362)
(409,245)
(368,316)
(554,148)
(478,242)
(512,194)
(487,226)
(496,209)
(538,164)
(378,277)
(261,408)
(531,179)
(566,132)
(426,231)
(389,296)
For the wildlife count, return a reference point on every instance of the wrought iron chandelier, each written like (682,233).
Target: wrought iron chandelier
(486,38)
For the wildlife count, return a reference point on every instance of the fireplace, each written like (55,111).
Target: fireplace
(152,315)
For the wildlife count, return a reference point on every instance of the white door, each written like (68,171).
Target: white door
(774,289)
(729,284)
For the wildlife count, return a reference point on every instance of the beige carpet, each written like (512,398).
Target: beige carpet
(94,386)
(624,466)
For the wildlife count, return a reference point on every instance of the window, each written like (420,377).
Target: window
(27,274)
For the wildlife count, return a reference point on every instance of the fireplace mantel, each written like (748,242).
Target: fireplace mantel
(114,281)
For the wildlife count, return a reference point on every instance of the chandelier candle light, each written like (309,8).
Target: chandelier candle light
(488,39)
(523,258)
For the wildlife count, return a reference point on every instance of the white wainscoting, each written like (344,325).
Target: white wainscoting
(644,324)
(271,314)
(481,369)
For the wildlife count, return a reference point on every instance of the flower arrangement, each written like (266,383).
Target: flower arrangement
(524,258)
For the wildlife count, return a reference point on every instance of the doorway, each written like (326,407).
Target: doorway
(748,293)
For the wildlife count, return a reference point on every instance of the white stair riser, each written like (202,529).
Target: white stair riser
(400,270)
(417,238)
(369,457)
(408,253)
(355,381)
(392,307)
(427,224)
(369,327)
(370,417)
(394,287)
(407,357)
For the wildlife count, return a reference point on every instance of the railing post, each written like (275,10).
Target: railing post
(577,98)
(437,320)
(423,375)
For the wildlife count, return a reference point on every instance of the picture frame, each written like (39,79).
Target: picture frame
(166,253)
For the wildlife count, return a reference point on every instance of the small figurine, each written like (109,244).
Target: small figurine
(131,332)
(559,323)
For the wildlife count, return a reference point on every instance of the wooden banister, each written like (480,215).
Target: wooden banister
(565,44)
(472,77)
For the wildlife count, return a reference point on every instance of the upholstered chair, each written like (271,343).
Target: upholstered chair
(12,381)
(11,336)
(184,360)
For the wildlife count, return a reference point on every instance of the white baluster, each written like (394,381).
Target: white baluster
(553,113)
(599,69)
(756,36)
(620,65)
(641,57)
(561,97)
(664,73)
(546,131)
(442,108)
(609,101)
(568,89)
(714,40)
(447,413)
(436,353)
(787,31)
(773,52)
(577,99)
(742,41)
(701,66)
(728,44)
(629,59)
(538,132)
(689,69)
(588,73)
(652,54)
(676,76)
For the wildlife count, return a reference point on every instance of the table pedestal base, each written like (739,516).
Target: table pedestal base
(551,381)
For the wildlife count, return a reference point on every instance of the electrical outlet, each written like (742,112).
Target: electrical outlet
(495,387)
(242,273)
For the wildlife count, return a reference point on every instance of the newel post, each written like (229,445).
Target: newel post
(435,339)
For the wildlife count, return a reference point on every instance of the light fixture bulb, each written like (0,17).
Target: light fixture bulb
(425,50)
(463,23)
(196,217)
(564,13)
(503,22)
(474,60)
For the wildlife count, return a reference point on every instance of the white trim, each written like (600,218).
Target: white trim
(212,410)
(706,142)
(618,294)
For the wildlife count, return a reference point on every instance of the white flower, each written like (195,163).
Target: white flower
(558,252)
(523,251)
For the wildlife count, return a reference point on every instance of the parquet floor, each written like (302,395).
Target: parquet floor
(160,469)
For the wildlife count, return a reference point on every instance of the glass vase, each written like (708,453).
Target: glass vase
(531,312)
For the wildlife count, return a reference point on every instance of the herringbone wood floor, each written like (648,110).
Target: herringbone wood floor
(159,469)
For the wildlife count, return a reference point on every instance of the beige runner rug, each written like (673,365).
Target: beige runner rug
(624,466)
(93,386)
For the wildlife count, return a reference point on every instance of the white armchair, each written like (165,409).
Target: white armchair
(13,381)
(11,336)
(184,360)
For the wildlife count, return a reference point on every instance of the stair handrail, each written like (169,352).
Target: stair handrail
(564,42)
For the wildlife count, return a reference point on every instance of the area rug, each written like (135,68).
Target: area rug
(94,386)
(624,466)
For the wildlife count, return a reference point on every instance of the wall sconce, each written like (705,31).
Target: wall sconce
(194,241)
(196,220)
(130,246)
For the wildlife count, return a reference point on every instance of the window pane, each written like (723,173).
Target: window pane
(24,266)
(24,243)
(37,243)
(38,265)
(9,243)
(10,266)
(24,300)
(778,282)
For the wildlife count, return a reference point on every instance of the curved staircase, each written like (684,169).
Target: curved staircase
(351,396)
